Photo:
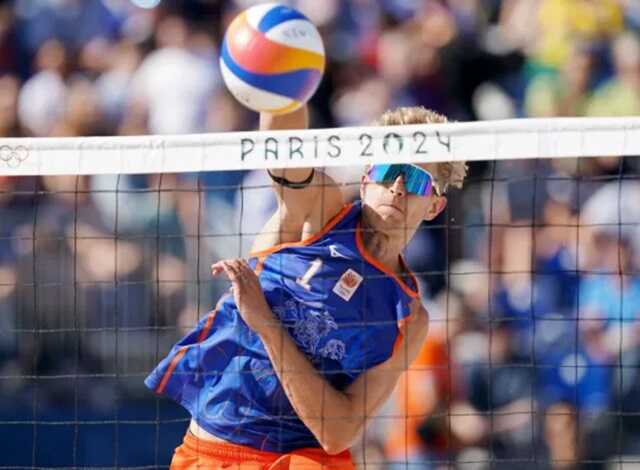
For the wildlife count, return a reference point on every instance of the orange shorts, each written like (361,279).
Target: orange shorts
(198,454)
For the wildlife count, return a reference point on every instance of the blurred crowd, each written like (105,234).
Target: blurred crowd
(532,359)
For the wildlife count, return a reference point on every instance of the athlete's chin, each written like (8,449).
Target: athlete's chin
(390,215)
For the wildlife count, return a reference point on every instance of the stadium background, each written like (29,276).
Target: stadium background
(533,354)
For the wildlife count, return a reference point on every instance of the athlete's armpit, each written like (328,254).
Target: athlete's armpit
(301,213)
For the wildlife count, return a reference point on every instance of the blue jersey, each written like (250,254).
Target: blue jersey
(341,307)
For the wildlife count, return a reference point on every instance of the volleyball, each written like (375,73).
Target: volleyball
(272,58)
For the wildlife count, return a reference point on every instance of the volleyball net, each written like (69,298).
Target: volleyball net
(531,277)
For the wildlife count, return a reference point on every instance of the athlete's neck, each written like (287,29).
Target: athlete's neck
(382,245)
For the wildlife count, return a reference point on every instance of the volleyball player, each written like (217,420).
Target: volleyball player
(321,321)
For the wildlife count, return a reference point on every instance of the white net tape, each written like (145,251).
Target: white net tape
(489,140)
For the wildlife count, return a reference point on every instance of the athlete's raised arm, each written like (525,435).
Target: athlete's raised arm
(307,197)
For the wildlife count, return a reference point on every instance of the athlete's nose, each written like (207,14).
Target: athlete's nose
(397,188)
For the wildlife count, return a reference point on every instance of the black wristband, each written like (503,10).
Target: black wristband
(293,184)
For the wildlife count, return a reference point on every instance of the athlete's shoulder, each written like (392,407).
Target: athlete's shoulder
(347,216)
(348,212)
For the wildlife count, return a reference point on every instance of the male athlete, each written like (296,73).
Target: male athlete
(322,320)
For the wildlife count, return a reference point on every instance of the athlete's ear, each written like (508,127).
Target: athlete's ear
(436,205)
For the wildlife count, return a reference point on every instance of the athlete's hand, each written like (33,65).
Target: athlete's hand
(247,293)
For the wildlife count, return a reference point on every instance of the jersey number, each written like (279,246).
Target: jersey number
(314,267)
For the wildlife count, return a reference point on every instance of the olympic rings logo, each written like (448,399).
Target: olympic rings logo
(13,156)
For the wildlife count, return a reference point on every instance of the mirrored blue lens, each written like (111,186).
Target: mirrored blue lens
(416,180)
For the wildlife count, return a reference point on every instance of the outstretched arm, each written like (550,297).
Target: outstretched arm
(302,211)
(296,120)
(335,417)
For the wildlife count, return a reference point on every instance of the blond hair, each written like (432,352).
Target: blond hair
(447,173)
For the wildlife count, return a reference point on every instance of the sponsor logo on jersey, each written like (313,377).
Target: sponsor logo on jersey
(333,250)
(347,284)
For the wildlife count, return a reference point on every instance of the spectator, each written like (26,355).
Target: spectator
(620,95)
(563,93)
(174,83)
(114,83)
(9,124)
(500,392)
(41,100)
(561,22)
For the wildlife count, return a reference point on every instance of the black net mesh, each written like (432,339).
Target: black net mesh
(531,278)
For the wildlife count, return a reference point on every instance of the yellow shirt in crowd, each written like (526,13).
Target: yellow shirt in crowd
(563,21)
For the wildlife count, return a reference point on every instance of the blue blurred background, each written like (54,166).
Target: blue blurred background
(533,356)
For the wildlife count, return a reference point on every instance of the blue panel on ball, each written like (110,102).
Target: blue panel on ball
(278,15)
(295,85)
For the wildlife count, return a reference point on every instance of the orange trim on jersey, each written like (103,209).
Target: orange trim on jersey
(201,337)
(174,362)
(207,326)
(259,266)
(377,264)
(397,343)
(400,338)
(183,350)
(307,241)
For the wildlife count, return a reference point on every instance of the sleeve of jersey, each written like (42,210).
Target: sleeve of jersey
(180,368)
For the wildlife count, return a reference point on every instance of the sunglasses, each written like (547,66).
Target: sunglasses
(417,180)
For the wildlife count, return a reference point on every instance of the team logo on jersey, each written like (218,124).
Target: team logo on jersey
(334,349)
(347,284)
(312,328)
(308,324)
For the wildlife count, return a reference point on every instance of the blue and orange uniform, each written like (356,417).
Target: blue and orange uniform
(342,308)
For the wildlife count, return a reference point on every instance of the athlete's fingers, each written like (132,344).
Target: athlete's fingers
(234,267)
(229,271)
(249,276)
(216,268)
(220,264)
(221,267)
(244,269)
(236,263)
(242,277)
(245,266)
